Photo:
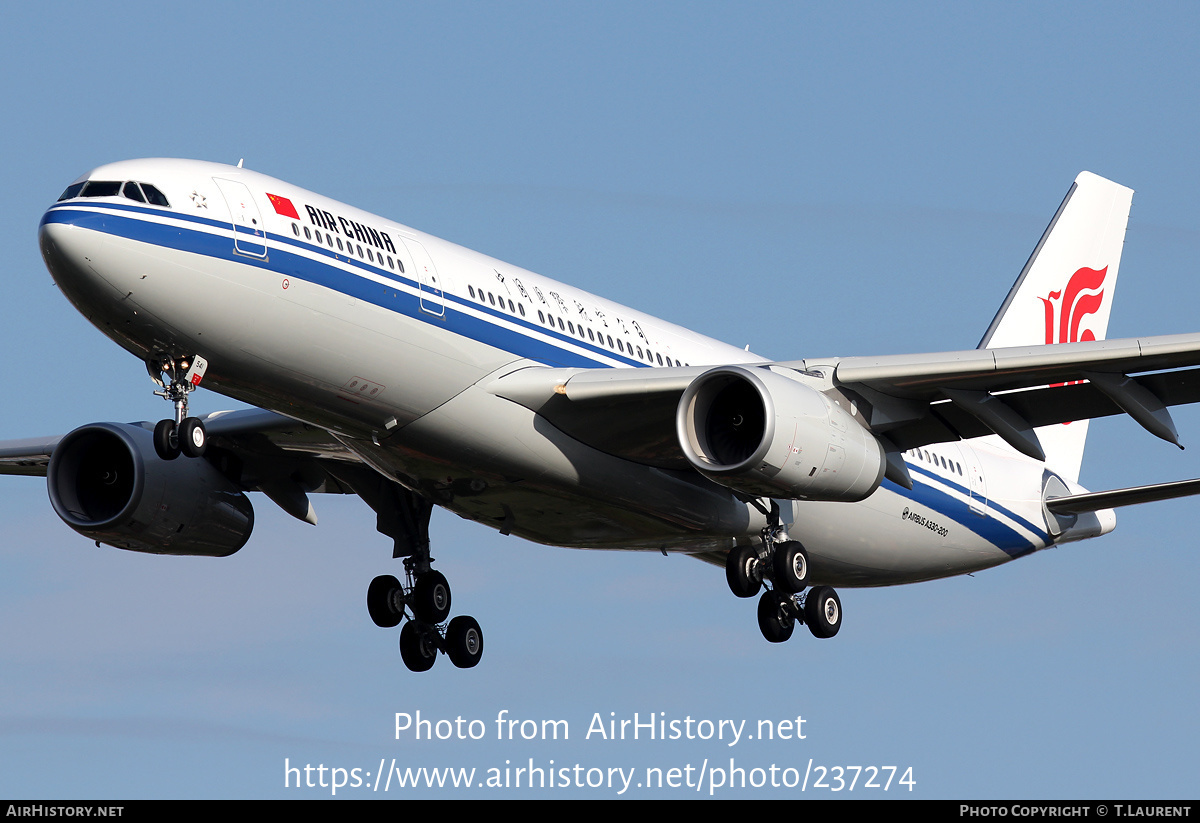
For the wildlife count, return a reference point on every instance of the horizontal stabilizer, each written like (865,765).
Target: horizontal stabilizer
(1095,501)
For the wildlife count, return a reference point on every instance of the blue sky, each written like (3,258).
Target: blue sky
(810,180)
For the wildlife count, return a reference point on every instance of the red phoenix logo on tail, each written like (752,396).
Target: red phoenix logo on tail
(1074,306)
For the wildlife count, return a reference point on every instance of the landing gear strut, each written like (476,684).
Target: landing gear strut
(422,601)
(179,377)
(784,563)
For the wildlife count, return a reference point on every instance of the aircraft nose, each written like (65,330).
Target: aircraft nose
(72,245)
(61,239)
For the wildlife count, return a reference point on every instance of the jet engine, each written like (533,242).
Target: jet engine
(107,483)
(766,435)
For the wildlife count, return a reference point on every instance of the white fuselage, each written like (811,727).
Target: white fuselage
(383,336)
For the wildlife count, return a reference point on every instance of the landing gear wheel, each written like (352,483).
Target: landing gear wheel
(464,642)
(166,444)
(381,601)
(743,571)
(193,439)
(791,567)
(431,597)
(823,612)
(775,618)
(418,647)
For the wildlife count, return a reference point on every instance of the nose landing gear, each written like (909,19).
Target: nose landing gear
(178,376)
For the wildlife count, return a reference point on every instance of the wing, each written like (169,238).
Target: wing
(921,399)
(1043,361)
(629,413)
(912,400)
(263,451)
(905,401)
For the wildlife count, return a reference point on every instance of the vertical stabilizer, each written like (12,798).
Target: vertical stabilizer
(1065,292)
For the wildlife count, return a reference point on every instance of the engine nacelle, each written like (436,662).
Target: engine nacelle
(107,483)
(766,435)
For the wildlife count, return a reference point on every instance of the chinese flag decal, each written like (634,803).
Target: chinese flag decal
(283,206)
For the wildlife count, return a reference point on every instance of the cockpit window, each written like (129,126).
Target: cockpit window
(133,192)
(155,197)
(71,192)
(101,188)
(140,192)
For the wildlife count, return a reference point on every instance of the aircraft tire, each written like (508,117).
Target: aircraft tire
(193,439)
(823,612)
(431,597)
(743,571)
(464,642)
(417,648)
(166,444)
(791,567)
(381,599)
(775,623)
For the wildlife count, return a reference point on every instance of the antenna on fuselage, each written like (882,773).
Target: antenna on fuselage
(243,160)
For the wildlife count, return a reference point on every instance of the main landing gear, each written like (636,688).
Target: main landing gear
(425,601)
(179,377)
(820,609)
(422,601)
(783,562)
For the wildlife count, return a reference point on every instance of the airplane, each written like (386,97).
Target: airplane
(390,364)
